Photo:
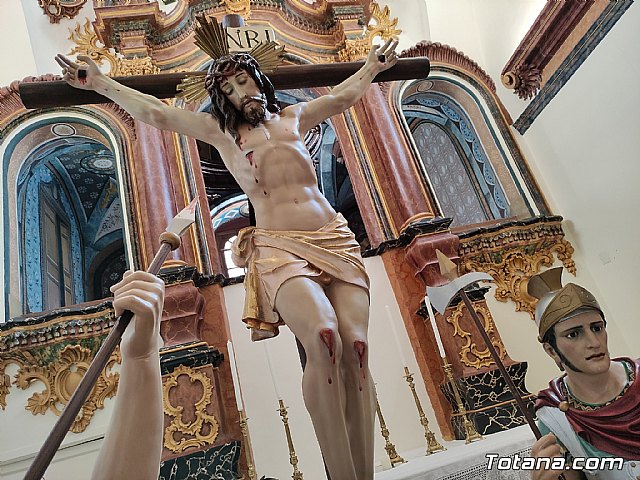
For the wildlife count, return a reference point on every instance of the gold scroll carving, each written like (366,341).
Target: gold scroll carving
(513,255)
(383,26)
(87,43)
(60,378)
(470,355)
(203,430)
(238,7)
(57,9)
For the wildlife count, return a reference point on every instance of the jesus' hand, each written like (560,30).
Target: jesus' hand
(383,57)
(79,75)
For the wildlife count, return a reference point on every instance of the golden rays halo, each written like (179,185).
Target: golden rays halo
(211,38)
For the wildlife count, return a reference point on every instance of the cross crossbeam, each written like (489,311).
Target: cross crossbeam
(163,85)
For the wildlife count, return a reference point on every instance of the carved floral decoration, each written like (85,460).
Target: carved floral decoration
(383,26)
(469,353)
(181,433)
(512,255)
(87,43)
(57,9)
(60,378)
(238,7)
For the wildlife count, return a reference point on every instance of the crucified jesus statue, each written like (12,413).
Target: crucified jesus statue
(304,268)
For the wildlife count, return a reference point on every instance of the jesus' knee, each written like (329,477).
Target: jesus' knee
(324,349)
(355,358)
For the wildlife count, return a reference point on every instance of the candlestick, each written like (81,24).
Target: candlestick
(234,376)
(274,380)
(394,458)
(244,429)
(434,326)
(432,444)
(396,336)
(293,458)
(470,432)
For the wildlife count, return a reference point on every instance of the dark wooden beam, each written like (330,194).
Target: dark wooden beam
(59,94)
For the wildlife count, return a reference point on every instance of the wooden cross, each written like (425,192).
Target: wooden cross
(58,93)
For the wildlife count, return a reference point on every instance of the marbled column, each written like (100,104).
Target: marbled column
(154,187)
(395,169)
(194,328)
(409,270)
(182,315)
(384,173)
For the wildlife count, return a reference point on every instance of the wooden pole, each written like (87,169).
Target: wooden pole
(58,93)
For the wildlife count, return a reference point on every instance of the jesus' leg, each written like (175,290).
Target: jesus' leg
(351,304)
(304,307)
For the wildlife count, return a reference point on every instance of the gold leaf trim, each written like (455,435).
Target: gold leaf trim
(60,379)
(513,255)
(180,435)
(358,48)
(470,355)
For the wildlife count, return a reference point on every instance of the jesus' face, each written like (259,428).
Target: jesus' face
(244,94)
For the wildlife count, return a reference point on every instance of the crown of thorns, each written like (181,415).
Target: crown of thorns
(211,38)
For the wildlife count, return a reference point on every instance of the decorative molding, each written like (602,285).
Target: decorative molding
(600,27)
(552,27)
(237,7)
(439,53)
(113,22)
(469,353)
(358,48)
(354,49)
(513,252)
(58,9)
(60,378)
(10,104)
(128,122)
(87,40)
(203,430)
(524,79)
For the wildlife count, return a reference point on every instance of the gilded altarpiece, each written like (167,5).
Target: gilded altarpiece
(383,167)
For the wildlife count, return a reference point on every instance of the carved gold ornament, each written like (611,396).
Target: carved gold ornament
(211,38)
(87,43)
(383,26)
(60,378)
(181,434)
(513,255)
(469,353)
(238,7)
(57,9)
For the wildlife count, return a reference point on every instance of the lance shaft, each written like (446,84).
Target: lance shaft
(66,419)
(514,391)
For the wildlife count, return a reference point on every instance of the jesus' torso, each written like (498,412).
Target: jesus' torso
(274,169)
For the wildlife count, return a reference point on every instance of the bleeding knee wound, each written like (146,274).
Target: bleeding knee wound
(329,339)
(360,346)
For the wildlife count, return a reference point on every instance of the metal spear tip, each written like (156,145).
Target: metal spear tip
(179,224)
(448,269)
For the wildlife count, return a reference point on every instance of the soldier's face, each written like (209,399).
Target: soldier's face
(244,94)
(582,340)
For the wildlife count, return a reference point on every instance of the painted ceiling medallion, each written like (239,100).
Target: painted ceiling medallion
(57,9)
(101,164)
(63,130)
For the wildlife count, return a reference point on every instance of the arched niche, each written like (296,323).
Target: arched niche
(470,161)
(67,235)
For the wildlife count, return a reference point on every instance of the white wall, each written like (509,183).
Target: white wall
(584,151)
(17,57)
(22,434)
(396,401)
